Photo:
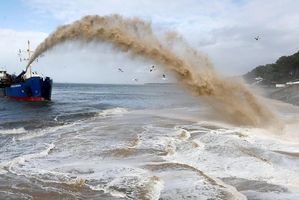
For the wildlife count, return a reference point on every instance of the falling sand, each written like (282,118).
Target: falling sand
(231,99)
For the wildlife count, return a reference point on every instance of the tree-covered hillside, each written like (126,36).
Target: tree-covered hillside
(286,68)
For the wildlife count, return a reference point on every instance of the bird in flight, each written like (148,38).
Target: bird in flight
(257,38)
(120,70)
(164,76)
(152,68)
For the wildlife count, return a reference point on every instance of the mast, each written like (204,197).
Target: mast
(29,55)
(28,70)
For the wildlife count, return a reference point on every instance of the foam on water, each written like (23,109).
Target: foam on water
(148,154)
(25,158)
(243,154)
(14,131)
(23,134)
(41,132)
(113,111)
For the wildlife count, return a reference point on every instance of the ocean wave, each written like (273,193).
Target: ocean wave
(152,188)
(124,182)
(20,160)
(43,131)
(2,170)
(112,191)
(132,187)
(158,158)
(23,158)
(70,117)
(113,111)
(14,131)
(200,185)
(81,118)
(28,124)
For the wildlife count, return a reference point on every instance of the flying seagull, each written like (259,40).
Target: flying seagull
(152,68)
(120,70)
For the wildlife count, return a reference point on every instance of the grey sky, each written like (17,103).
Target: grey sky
(224,30)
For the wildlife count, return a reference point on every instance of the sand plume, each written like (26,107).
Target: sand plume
(231,99)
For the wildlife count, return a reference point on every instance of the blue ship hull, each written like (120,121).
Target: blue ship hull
(31,89)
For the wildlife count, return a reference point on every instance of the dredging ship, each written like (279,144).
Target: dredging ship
(27,86)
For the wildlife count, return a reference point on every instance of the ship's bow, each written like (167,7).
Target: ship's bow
(47,88)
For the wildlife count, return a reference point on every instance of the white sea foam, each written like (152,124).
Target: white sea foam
(22,159)
(154,185)
(26,135)
(14,131)
(118,179)
(113,111)
(2,170)
(41,132)
(243,153)
(219,151)
(108,190)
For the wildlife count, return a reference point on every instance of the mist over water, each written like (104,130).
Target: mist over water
(230,98)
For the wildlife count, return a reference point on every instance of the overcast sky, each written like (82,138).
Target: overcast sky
(222,29)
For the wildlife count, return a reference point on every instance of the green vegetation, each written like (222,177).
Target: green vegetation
(285,69)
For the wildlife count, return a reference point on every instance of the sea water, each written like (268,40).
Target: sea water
(151,141)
